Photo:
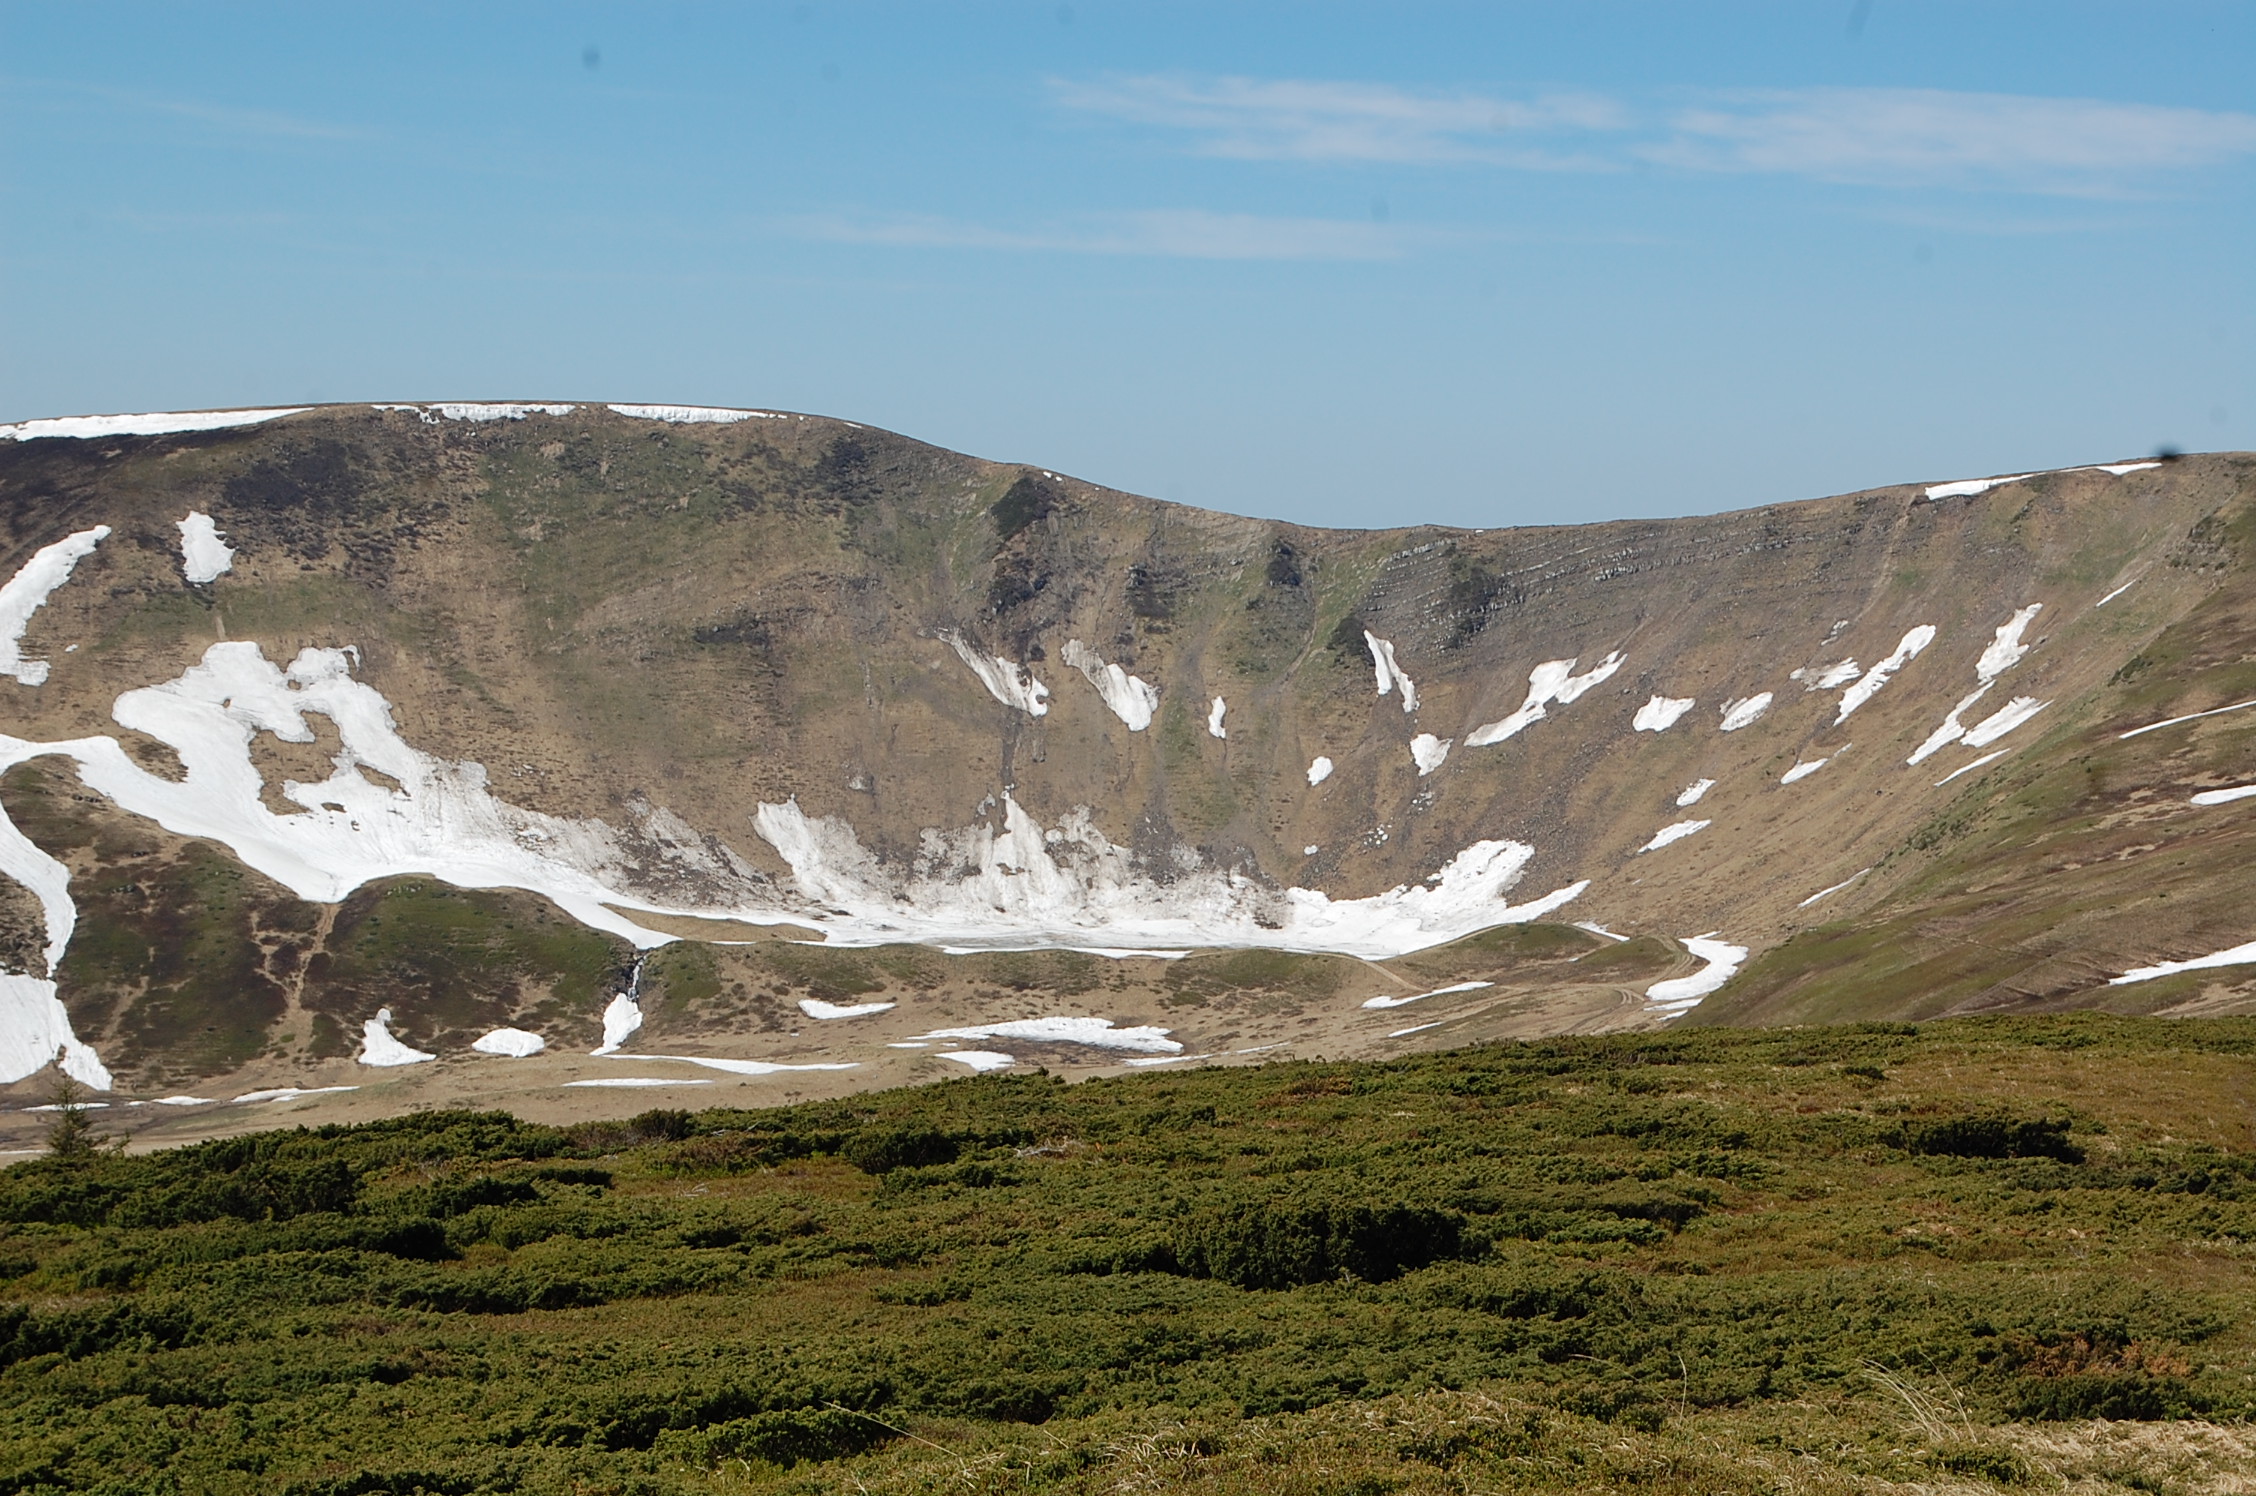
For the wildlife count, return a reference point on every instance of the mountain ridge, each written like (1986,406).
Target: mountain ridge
(793,671)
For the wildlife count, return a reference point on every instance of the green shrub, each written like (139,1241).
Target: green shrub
(1281,1245)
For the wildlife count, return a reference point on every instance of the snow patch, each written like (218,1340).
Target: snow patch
(1553,680)
(1008,682)
(1319,770)
(155,423)
(1826,677)
(2118,592)
(733,1067)
(815,1007)
(1388,672)
(2005,649)
(634,1082)
(1868,685)
(1403,1002)
(621,1019)
(1691,793)
(2225,797)
(1836,888)
(979,887)
(379,1047)
(1098,1033)
(288,1093)
(27,592)
(2239,955)
(185,1101)
(2002,721)
(480,411)
(1429,752)
(1987,758)
(1745,712)
(514,1043)
(1680,995)
(1661,712)
(2215,711)
(1966,488)
(1214,727)
(690,415)
(1675,832)
(203,555)
(1132,700)
(980,1060)
(1806,768)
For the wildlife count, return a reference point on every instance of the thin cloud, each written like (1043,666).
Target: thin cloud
(1300,120)
(1173,233)
(1928,137)
(1889,137)
(228,118)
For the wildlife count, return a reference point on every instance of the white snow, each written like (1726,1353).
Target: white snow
(1966,488)
(1598,929)
(2225,797)
(1826,677)
(1167,1059)
(1745,712)
(1429,752)
(1008,682)
(621,1018)
(1416,1028)
(1675,832)
(979,887)
(981,1060)
(1310,850)
(734,1067)
(1553,680)
(2239,955)
(155,423)
(203,555)
(488,410)
(2215,711)
(28,590)
(1692,792)
(2002,721)
(2118,592)
(2006,650)
(1403,1002)
(1680,995)
(1319,770)
(815,1007)
(288,1093)
(515,1043)
(1096,1032)
(185,1101)
(1868,685)
(1987,758)
(1807,767)
(1131,699)
(1660,713)
(1836,888)
(379,1047)
(1388,672)
(626,1082)
(2118,469)
(691,415)
(1214,727)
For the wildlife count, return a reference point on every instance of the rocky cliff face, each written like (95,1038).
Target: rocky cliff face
(457,711)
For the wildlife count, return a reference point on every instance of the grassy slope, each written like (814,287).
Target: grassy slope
(1697,1261)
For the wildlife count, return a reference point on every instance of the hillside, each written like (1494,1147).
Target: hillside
(1989,1255)
(478,717)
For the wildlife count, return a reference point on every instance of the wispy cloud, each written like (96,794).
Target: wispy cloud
(1928,137)
(1300,120)
(226,118)
(1175,233)
(1872,136)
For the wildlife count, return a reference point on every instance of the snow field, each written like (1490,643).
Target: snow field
(2239,955)
(1130,699)
(1551,681)
(154,423)
(203,555)
(27,592)
(691,415)
(1680,995)
(1660,713)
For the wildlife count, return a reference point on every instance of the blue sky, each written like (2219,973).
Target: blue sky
(1363,265)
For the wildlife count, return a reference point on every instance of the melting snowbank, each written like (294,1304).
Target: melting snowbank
(1428,752)
(1868,685)
(1069,885)
(1660,713)
(1674,833)
(27,592)
(1319,770)
(1098,1033)
(516,1044)
(1214,715)
(1553,680)
(1745,712)
(154,423)
(1388,672)
(1007,681)
(690,415)
(379,1046)
(1130,698)
(1403,1002)
(1680,995)
(203,555)
(2239,955)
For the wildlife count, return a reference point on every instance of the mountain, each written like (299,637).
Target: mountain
(370,733)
